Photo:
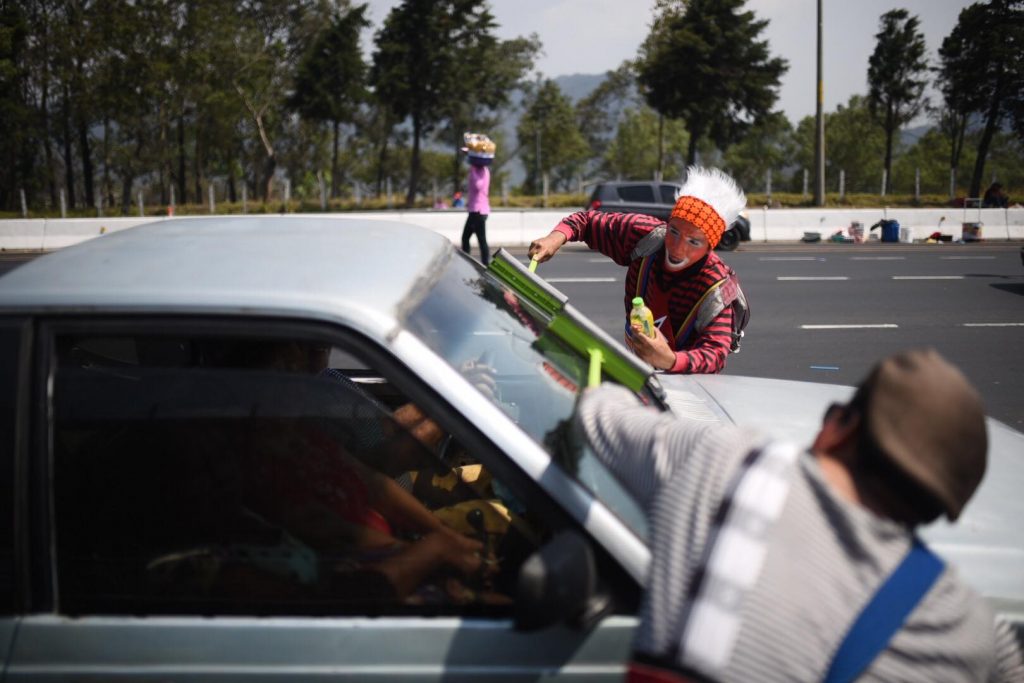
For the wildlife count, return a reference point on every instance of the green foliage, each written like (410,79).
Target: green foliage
(16,149)
(489,71)
(633,152)
(769,145)
(896,76)
(703,63)
(330,81)
(432,52)
(549,122)
(853,144)
(981,72)
(599,114)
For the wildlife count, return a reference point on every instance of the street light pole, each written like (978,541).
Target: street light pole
(819,127)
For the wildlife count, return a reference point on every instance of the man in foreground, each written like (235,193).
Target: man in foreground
(764,557)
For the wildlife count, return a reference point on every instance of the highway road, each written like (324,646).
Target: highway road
(827,312)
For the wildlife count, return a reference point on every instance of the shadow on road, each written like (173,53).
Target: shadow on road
(1011,287)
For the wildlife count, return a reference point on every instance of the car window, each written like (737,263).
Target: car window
(668,193)
(11,360)
(233,475)
(474,321)
(636,193)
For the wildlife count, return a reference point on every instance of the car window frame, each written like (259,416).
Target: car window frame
(13,458)
(46,591)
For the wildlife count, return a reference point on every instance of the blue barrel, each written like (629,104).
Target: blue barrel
(890,231)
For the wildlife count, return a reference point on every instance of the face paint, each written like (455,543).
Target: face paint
(685,244)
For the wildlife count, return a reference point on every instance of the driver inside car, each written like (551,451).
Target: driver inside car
(298,475)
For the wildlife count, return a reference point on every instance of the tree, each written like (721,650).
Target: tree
(958,93)
(437,61)
(703,63)
(16,143)
(855,143)
(550,140)
(895,76)
(486,74)
(598,115)
(636,150)
(982,70)
(331,79)
(768,146)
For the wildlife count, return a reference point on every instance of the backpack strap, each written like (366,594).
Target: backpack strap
(707,308)
(649,243)
(884,615)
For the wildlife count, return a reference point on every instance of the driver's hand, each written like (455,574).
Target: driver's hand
(544,248)
(655,351)
(466,555)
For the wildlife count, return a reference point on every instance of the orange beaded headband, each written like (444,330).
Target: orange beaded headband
(700,213)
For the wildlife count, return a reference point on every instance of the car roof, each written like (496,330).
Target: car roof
(280,265)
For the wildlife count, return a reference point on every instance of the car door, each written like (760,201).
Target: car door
(233,501)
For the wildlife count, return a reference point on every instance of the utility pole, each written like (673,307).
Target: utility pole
(819,127)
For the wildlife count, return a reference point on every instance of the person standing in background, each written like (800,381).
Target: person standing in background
(479,150)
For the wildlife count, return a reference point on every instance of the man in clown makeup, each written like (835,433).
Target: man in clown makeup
(679,276)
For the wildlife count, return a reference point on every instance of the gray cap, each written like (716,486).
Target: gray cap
(927,418)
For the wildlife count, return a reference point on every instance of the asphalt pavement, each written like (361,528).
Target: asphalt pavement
(827,312)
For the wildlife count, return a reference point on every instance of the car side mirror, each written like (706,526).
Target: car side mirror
(559,583)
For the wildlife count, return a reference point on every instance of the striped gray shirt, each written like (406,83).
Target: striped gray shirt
(825,559)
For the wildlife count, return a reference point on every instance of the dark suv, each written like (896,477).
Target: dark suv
(655,199)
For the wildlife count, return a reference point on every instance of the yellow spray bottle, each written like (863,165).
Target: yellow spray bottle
(641,314)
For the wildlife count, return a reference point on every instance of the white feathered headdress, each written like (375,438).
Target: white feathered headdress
(716,189)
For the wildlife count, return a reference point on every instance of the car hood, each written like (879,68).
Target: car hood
(986,544)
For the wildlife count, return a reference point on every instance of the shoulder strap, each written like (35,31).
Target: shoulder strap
(649,243)
(885,614)
(703,312)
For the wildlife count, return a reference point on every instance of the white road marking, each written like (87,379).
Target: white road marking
(788,258)
(993,324)
(878,258)
(967,258)
(927,277)
(600,260)
(811,279)
(848,327)
(580,279)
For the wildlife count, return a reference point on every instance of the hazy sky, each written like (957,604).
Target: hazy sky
(594,36)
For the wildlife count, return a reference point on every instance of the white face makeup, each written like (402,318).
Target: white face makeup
(685,244)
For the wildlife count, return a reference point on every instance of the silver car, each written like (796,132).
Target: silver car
(228,444)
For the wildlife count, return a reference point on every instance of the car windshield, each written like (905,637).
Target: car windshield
(471,317)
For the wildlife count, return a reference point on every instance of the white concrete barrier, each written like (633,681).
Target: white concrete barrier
(517,227)
(22,234)
(770,225)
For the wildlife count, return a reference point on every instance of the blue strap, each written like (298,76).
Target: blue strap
(885,614)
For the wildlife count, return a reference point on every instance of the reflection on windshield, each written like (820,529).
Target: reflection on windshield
(472,319)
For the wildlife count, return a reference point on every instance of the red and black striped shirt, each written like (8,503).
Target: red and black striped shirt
(670,296)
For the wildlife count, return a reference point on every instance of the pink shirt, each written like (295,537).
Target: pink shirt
(479,186)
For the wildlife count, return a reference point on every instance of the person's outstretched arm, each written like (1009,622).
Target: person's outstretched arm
(612,234)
